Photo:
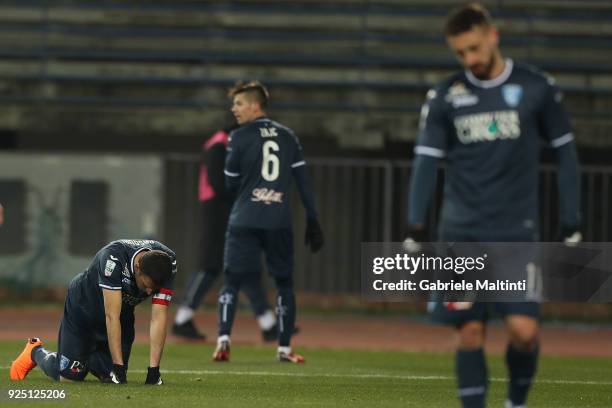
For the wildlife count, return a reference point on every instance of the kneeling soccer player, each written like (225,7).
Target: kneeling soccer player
(97,329)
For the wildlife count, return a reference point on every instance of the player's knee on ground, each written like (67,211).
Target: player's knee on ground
(72,370)
(523,332)
(471,335)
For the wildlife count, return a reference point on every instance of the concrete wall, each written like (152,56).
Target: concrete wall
(134,210)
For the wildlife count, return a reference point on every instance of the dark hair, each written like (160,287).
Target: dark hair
(466,17)
(254,89)
(157,265)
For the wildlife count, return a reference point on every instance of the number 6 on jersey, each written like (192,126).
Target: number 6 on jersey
(270,163)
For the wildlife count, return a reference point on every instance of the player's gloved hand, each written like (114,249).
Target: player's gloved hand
(570,235)
(118,375)
(314,235)
(153,376)
(415,236)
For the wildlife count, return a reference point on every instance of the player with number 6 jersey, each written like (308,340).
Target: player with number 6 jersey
(262,160)
(262,157)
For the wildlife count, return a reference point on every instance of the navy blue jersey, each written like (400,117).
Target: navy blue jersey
(112,268)
(262,158)
(490,133)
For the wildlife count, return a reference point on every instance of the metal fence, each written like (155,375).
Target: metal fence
(362,200)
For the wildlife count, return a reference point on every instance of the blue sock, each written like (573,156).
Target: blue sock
(47,361)
(472,376)
(522,368)
(285,312)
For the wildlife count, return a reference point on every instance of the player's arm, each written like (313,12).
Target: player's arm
(568,180)
(304,186)
(314,233)
(430,147)
(157,332)
(420,192)
(556,127)
(232,166)
(110,265)
(215,165)
(112,311)
(159,322)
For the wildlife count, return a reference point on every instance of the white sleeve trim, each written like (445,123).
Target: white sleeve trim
(429,151)
(560,141)
(230,174)
(298,164)
(110,287)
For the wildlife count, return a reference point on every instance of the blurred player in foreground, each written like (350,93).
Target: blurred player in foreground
(97,329)
(216,204)
(489,122)
(263,158)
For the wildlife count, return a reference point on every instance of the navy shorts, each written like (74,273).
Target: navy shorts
(244,247)
(83,348)
(454,315)
(457,314)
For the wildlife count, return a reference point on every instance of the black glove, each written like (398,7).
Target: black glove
(570,234)
(118,375)
(314,235)
(153,376)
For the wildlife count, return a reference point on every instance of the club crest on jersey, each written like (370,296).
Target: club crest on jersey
(267,196)
(458,95)
(109,268)
(512,94)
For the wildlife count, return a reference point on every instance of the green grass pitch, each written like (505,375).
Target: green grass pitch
(329,378)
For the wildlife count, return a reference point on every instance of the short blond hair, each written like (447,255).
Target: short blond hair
(254,89)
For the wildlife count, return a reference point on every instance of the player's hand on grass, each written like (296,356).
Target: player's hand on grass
(314,235)
(118,375)
(153,376)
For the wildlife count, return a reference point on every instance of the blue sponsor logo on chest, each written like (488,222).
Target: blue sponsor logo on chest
(512,94)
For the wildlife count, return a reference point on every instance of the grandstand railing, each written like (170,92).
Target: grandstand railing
(364,200)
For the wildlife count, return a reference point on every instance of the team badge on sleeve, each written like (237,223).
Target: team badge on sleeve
(512,94)
(109,268)
(64,361)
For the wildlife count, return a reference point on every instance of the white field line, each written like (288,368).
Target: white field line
(360,376)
